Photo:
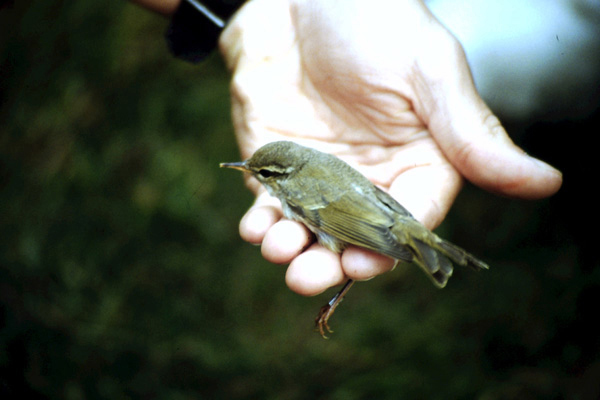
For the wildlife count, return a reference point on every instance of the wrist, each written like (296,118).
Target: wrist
(164,7)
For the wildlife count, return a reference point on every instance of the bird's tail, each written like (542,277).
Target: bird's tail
(436,256)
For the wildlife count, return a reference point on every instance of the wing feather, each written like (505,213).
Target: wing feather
(345,221)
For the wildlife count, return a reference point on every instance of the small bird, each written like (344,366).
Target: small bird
(342,207)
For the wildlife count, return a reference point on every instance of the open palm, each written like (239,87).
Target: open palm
(383,86)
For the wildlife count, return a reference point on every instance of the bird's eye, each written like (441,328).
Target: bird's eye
(266,173)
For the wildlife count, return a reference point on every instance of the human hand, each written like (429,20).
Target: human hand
(383,86)
(165,7)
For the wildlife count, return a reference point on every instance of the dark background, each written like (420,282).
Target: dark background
(122,275)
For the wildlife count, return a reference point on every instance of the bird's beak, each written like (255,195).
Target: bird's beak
(240,165)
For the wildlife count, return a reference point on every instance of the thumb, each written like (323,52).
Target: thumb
(475,142)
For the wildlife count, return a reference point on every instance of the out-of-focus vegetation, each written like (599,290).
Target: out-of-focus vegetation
(122,275)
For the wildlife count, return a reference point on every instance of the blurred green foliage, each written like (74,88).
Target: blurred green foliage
(122,275)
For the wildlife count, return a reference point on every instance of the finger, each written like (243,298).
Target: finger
(284,241)
(314,271)
(263,214)
(360,264)
(472,138)
(504,168)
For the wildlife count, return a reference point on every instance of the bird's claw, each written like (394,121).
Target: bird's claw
(327,310)
(322,319)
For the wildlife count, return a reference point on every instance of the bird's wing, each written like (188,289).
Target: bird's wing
(366,226)
(391,203)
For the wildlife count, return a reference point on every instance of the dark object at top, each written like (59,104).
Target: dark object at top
(195,27)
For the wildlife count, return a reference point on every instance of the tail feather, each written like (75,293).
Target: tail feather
(460,256)
(435,260)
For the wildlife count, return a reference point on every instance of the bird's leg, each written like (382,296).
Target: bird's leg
(327,310)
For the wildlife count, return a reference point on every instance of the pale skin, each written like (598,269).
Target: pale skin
(384,86)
